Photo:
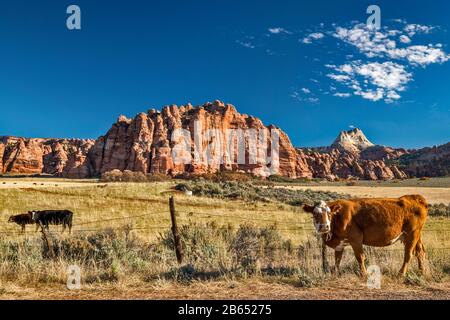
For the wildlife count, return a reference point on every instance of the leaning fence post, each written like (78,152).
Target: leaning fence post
(44,236)
(176,235)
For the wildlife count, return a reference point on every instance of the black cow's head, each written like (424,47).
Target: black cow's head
(33,214)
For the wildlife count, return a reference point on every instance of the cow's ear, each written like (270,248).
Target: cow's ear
(334,208)
(308,208)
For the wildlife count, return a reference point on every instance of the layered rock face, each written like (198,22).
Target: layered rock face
(352,155)
(335,164)
(59,157)
(209,138)
(428,162)
(199,140)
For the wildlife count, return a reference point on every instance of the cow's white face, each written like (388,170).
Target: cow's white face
(322,217)
(33,215)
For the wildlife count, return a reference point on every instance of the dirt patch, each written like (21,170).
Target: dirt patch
(21,184)
(339,290)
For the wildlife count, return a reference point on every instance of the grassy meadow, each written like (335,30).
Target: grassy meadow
(121,237)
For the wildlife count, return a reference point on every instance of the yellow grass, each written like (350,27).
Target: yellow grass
(94,205)
(99,205)
(432,194)
(144,207)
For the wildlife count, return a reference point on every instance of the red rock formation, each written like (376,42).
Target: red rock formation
(335,164)
(22,156)
(149,142)
(427,162)
(205,139)
(60,157)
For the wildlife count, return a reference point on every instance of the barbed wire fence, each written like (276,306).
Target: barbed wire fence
(189,215)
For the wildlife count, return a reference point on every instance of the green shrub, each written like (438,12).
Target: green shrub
(131,176)
(439,210)
(251,192)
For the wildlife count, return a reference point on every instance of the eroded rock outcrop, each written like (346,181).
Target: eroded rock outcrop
(336,164)
(427,162)
(353,156)
(198,140)
(212,137)
(59,157)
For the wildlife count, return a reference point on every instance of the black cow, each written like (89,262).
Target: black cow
(22,220)
(53,217)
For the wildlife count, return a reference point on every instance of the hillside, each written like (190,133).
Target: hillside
(429,162)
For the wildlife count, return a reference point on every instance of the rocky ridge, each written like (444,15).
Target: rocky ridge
(157,141)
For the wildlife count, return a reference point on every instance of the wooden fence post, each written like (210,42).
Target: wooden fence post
(324,257)
(45,238)
(176,235)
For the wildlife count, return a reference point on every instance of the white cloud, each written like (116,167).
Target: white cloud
(339,77)
(304,96)
(279,30)
(342,95)
(412,29)
(306,90)
(404,39)
(373,95)
(246,43)
(387,75)
(380,44)
(313,36)
(393,95)
(373,81)
(390,59)
(421,55)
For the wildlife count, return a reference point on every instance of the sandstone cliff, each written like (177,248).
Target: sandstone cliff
(335,164)
(59,157)
(212,137)
(353,156)
(148,143)
(427,162)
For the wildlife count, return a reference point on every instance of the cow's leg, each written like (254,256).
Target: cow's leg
(23,228)
(359,255)
(411,240)
(420,254)
(337,260)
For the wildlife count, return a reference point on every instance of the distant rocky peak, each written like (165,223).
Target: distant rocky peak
(352,141)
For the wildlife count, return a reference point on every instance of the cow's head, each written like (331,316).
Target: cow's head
(33,215)
(11,219)
(322,215)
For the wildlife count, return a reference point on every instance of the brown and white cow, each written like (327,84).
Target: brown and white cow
(372,222)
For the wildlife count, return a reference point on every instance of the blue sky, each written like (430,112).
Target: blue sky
(310,68)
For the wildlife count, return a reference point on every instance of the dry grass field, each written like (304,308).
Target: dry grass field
(234,248)
(432,194)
